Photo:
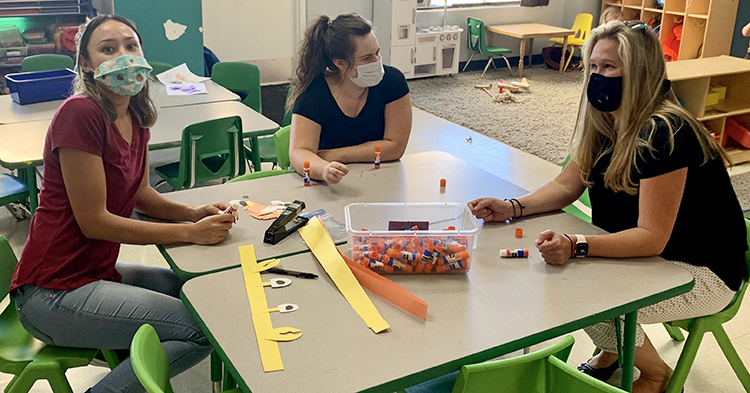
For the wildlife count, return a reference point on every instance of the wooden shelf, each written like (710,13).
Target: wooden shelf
(699,16)
(656,10)
(632,7)
(726,108)
(676,13)
(737,155)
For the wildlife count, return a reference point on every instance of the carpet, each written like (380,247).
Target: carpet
(539,122)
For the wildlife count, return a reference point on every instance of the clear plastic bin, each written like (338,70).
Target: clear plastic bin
(436,237)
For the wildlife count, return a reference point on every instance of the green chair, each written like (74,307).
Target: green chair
(281,141)
(150,363)
(584,199)
(25,357)
(697,327)
(244,79)
(46,62)
(478,36)
(209,150)
(13,194)
(543,371)
(159,67)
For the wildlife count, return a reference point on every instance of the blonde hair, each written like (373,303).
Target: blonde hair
(140,104)
(646,97)
(611,13)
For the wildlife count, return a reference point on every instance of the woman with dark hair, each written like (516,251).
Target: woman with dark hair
(69,288)
(650,168)
(345,100)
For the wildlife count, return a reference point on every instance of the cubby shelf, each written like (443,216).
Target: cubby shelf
(707,24)
(691,81)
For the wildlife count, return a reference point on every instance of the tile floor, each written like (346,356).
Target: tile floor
(711,372)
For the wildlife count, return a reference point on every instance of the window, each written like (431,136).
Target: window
(470,3)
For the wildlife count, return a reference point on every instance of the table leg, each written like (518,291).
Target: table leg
(229,382)
(216,372)
(30,175)
(562,58)
(627,356)
(520,58)
(255,146)
(531,49)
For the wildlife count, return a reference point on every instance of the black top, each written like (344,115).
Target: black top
(709,229)
(339,130)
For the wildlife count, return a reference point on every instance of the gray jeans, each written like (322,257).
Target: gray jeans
(106,315)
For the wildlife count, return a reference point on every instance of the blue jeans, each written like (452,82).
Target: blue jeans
(106,315)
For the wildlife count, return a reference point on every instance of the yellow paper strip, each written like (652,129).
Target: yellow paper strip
(266,335)
(325,251)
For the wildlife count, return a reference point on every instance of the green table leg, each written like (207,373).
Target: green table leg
(627,357)
(255,152)
(30,175)
(228,380)
(216,372)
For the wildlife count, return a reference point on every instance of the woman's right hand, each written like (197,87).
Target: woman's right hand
(334,171)
(211,229)
(491,209)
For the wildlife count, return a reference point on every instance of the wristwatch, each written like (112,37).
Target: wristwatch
(582,248)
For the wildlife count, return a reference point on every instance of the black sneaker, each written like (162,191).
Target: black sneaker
(602,374)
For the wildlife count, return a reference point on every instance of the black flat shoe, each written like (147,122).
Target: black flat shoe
(602,374)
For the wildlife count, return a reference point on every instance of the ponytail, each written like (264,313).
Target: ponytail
(325,39)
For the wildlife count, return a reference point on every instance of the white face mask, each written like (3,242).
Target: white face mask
(369,75)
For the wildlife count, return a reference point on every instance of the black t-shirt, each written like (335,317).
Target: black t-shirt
(339,130)
(709,229)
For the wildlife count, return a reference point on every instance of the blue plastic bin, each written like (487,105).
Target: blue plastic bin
(30,87)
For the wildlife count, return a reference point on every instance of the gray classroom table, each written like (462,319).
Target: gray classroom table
(499,306)
(416,178)
(10,112)
(23,143)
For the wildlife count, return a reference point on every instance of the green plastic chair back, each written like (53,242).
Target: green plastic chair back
(24,356)
(477,33)
(46,62)
(542,371)
(12,190)
(150,363)
(281,140)
(209,150)
(584,199)
(260,175)
(697,327)
(159,67)
(240,78)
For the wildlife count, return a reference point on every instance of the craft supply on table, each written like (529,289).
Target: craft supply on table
(442,185)
(289,221)
(519,233)
(306,174)
(430,247)
(294,273)
(377,157)
(515,253)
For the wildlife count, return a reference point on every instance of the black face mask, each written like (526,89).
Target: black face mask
(604,94)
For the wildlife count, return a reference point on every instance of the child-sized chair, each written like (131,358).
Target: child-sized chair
(209,150)
(478,36)
(582,28)
(13,194)
(46,62)
(697,327)
(24,356)
(150,363)
(543,371)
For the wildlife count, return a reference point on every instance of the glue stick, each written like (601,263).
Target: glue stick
(517,253)
(306,175)
(377,157)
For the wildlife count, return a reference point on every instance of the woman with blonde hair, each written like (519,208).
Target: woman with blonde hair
(69,288)
(656,179)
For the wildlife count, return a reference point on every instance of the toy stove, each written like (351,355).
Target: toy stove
(438,49)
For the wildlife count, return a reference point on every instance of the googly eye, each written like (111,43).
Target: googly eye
(287,307)
(280,282)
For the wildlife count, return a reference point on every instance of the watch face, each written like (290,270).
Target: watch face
(582,249)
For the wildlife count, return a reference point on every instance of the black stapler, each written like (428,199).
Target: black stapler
(288,222)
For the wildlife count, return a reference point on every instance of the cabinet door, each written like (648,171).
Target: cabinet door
(402,57)
(404,17)
(426,54)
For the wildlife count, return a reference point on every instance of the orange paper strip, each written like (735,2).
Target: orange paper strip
(388,289)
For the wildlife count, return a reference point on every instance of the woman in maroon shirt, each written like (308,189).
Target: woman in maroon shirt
(68,286)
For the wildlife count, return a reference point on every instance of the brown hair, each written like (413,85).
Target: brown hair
(140,104)
(326,39)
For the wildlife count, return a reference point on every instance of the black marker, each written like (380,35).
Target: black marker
(279,270)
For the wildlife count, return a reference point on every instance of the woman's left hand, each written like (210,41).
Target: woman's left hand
(554,247)
(208,210)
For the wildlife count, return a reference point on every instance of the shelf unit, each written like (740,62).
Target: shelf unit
(40,14)
(708,25)
(691,80)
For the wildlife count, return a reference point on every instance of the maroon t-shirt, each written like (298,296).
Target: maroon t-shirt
(57,255)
